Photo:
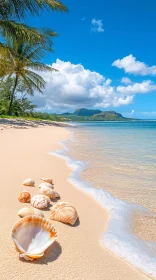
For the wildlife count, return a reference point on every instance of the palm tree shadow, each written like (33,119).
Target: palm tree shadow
(50,255)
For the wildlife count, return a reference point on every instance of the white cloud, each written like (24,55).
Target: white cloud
(74,86)
(97,25)
(144,87)
(126,80)
(132,112)
(83,18)
(132,66)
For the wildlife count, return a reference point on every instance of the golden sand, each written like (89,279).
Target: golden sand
(77,254)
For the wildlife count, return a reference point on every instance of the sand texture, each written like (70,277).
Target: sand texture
(77,254)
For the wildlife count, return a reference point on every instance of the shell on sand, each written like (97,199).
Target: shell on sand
(24,197)
(32,235)
(57,195)
(47,180)
(64,212)
(40,201)
(47,191)
(46,185)
(29,211)
(29,182)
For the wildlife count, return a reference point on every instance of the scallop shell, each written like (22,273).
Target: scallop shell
(29,182)
(24,197)
(47,191)
(40,201)
(47,180)
(30,211)
(64,212)
(46,185)
(32,235)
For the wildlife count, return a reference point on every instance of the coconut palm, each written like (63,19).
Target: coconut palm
(19,59)
(11,10)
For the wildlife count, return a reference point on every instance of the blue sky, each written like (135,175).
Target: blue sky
(97,34)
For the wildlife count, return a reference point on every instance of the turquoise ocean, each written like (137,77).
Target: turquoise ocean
(115,162)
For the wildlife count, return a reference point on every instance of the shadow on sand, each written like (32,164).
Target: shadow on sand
(50,255)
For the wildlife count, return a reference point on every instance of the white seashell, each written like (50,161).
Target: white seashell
(32,235)
(29,182)
(30,211)
(47,191)
(40,201)
(47,180)
(46,185)
(64,212)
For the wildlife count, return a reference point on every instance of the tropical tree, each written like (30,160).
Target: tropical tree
(13,10)
(20,60)
(21,106)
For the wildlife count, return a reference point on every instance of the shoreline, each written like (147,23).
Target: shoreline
(24,153)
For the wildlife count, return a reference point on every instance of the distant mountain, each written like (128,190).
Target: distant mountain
(83,114)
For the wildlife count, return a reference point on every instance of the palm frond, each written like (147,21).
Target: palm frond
(17,30)
(20,8)
(40,67)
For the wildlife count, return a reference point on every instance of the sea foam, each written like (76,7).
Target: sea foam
(118,237)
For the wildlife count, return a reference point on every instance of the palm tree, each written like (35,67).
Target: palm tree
(11,10)
(19,59)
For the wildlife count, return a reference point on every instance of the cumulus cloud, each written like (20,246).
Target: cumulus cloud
(74,86)
(97,25)
(132,66)
(144,87)
(126,80)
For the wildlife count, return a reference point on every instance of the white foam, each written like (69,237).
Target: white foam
(118,238)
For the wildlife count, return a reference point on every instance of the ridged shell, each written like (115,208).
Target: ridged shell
(32,235)
(24,197)
(40,201)
(46,185)
(29,182)
(47,180)
(30,211)
(47,191)
(64,212)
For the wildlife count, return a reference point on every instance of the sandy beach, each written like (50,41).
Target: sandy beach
(77,253)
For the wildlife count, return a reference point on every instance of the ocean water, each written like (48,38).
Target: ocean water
(115,162)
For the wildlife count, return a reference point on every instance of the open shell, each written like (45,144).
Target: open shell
(29,211)
(64,212)
(47,180)
(40,201)
(48,185)
(29,182)
(32,235)
(24,197)
(49,192)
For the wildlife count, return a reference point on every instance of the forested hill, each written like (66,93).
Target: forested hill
(83,114)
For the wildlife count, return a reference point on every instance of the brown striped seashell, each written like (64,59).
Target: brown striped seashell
(32,235)
(40,201)
(29,182)
(30,211)
(47,180)
(64,212)
(46,185)
(24,197)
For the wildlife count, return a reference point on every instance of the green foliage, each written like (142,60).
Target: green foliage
(13,10)
(21,106)
(89,115)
